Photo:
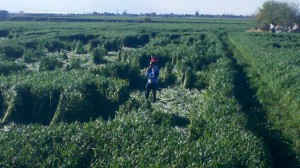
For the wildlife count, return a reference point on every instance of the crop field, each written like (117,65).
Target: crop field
(73,94)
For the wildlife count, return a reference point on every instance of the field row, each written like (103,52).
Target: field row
(273,69)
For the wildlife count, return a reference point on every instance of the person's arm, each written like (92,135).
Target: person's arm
(148,69)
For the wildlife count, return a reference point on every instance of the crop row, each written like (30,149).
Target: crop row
(51,97)
(273,67)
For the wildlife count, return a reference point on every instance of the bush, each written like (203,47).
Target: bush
(174,36)
(74,62)
(13,51)
(153,34)
(54,45)
(136,40)
(31,44)
(88,37)
(161,42)
(130,41)
(112,45)
(93,44)
(4,33)
(190,41)
(50,63)
(142,59)
(84,38)
(79,49)
(143,39)
(8,67)
(98,54)
(32,55)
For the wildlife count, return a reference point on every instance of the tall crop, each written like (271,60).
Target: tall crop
(273,65)
(56,96)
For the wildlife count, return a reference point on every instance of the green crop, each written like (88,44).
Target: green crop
(72,93)
(273,66)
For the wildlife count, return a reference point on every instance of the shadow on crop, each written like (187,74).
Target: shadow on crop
(170,119)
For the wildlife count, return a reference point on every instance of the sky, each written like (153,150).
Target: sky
(236,7)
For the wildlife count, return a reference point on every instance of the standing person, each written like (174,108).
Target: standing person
(152,73)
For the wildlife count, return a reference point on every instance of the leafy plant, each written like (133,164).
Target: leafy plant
(54,45)
(50,63)
(79,48)
(98,55)
(12,51)
(4,33)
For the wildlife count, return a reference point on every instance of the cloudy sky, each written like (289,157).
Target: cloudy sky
(239,7)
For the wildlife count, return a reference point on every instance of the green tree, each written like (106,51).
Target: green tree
(277,13)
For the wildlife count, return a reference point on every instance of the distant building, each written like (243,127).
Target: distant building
(4,14)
